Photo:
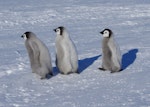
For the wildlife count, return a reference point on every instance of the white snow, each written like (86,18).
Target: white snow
(84,19)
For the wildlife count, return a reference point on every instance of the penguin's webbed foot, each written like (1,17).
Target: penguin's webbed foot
(62,73)
(42,78)
(70,73)
(49,75)
(115,71)
(102,69)
(77,72)
(66,73)
(121,70)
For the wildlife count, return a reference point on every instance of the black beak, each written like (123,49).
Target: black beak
(54,30)
(22,36)
(101,32)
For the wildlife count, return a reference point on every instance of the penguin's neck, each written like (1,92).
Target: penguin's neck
(65,34)
(105,40)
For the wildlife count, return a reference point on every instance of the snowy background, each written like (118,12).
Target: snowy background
(84,19)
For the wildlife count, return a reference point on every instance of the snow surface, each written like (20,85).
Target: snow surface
(84,19)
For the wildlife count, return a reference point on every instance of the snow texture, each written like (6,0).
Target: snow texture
(84,19)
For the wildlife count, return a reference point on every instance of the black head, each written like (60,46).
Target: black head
(59,30)
(26,35)
(106,33)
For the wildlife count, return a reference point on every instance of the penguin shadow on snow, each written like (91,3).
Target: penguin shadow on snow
(129,58)
(55,71)
(85,63)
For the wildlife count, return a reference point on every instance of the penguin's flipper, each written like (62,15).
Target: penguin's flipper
(36,53)
(56,61)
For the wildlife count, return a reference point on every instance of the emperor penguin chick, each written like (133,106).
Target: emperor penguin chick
(66,54)
(111,57)
(39,55)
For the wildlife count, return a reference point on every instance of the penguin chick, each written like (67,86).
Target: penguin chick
(39,55)
(111,57)
(66,54)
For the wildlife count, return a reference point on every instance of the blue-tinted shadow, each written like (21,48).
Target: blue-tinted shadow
(129,58)
(85,63)
(55,71)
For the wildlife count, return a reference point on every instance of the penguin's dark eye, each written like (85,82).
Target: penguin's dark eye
(106,32)
(57,30)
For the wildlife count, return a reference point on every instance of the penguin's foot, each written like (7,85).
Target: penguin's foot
(77,72)
(51,74)
(69,73)
(62,73)
(42,78)
(66,73)
(121,70)
(114,71)
(102,69)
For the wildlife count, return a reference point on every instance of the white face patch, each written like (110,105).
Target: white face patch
(58,31)
(24,36)
(106,34)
